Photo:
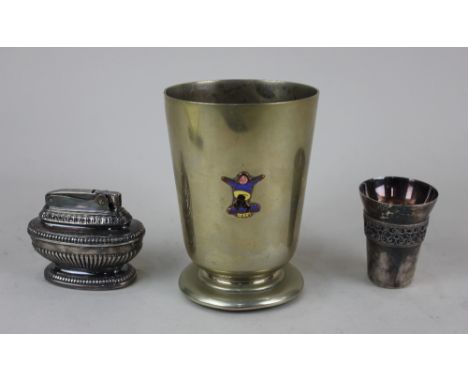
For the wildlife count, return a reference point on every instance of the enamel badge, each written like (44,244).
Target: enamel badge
(242,188)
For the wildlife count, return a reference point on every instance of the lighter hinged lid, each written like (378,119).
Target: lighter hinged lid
(85,207)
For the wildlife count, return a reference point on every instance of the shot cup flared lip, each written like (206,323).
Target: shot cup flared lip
(428,193)
(267,92)
(396,217)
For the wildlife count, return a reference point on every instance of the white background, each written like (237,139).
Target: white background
(95,118)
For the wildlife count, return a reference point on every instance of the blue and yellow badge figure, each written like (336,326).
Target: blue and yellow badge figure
(242,188)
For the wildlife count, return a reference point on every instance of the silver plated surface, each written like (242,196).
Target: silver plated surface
(396,217)
(88,237)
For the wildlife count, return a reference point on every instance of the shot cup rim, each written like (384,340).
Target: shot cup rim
(432,201)
(312,91)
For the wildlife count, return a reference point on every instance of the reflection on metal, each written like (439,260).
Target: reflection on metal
(89,238)
(221,128)
(396,215)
